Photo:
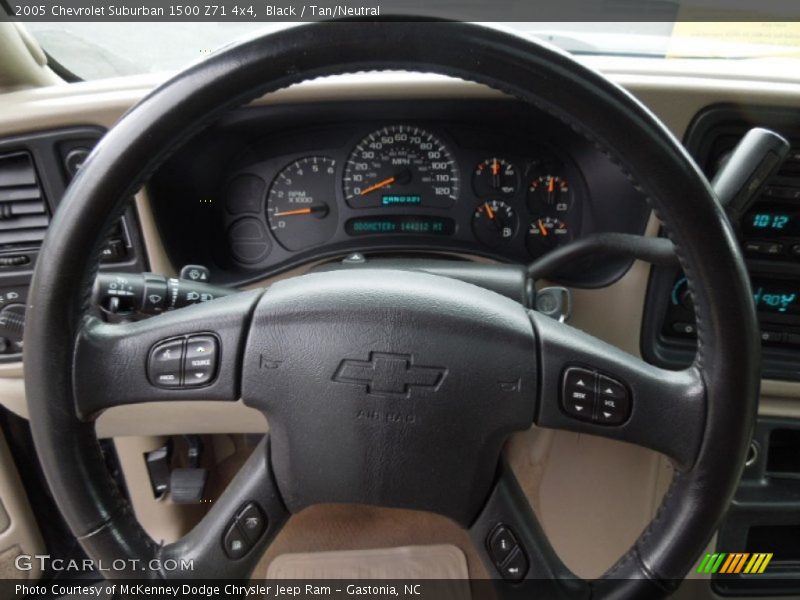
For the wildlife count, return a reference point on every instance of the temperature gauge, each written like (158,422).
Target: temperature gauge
(494,223)
(549,191)
(495,176)
(545,233)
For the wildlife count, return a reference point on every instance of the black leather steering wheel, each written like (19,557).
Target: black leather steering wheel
(392,388)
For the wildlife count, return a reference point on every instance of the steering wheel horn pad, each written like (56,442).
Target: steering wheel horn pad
(378,373)
(393,388)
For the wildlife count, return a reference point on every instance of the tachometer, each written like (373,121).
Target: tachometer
(301,203)
(401,165)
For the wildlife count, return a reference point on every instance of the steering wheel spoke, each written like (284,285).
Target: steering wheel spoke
(587,385)
(188,354)
(235,533)
(516,550)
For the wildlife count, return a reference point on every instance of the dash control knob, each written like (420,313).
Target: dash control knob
(12,322)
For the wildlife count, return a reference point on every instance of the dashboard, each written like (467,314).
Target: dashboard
(275,189)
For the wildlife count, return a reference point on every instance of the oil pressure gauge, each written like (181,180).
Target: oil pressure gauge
(495,176)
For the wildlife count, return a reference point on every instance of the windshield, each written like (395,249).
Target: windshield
(100,50)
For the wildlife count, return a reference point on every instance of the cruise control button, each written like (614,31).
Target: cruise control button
(578,393)
(501,543)
(252,522)
(201,359)
(613,402)
(165,363)
(516,566)
(234,542)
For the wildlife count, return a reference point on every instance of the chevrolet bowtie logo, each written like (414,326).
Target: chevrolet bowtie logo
(389,374)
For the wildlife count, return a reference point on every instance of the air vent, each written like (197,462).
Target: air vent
(23,212)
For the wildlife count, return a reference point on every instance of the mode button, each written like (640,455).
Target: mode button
(165,363)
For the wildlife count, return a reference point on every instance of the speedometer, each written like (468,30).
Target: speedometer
(401,165)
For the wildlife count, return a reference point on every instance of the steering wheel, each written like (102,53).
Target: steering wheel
(392,388)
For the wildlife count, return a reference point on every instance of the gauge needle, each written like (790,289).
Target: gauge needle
(495,168)
(489,211)
(379,185)
(292,213)
(551,185)
(299,211)
(542,228)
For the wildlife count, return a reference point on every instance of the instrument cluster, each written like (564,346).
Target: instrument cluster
(406,186)
(269,189)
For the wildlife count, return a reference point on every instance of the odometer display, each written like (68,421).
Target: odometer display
(400,224)
(401,165)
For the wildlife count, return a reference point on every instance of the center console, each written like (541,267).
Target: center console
(769,234)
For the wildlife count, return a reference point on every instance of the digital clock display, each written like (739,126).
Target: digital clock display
(400,224)
(772,222)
